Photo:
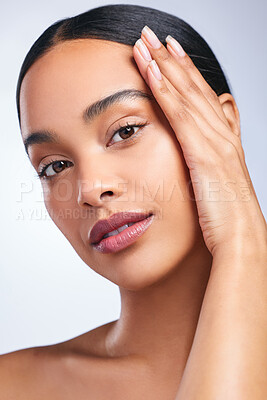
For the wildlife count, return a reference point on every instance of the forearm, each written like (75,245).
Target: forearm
(228,358)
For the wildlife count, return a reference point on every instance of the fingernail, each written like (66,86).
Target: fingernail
(155,70)
(177,48)
(151,37)
(143,50)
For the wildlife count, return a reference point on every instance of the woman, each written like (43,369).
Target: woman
(139,153)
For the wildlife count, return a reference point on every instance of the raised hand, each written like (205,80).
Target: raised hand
(226,201)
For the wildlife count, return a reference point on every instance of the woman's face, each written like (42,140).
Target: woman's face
(104,172)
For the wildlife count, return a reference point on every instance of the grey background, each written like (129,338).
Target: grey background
(47,294)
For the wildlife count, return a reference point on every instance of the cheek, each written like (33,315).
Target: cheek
(158,179)
(58,200)
(162,169)
(169,187)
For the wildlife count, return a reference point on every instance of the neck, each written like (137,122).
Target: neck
(160,320)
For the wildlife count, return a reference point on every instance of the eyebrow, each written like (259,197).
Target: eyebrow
(91,112)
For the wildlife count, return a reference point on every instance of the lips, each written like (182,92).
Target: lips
(104,226)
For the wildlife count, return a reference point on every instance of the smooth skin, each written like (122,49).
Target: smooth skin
(193,287)
(228,359)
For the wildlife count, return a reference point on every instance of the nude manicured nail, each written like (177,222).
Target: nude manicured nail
(143,50)
(177,48)
(151,37)
(155,70)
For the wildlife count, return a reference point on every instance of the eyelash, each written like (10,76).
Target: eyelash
(40,174)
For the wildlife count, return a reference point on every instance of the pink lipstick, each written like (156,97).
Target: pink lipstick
(119,231)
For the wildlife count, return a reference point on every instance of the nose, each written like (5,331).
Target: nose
(94,193)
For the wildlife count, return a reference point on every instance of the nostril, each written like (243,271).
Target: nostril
(107,193)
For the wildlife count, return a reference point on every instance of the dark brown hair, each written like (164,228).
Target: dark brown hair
(123,23)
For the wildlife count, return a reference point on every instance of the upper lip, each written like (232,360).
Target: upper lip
(115,221)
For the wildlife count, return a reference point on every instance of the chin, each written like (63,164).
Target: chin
(138,267)
(150,260)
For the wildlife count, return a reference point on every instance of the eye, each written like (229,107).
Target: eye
(53,166)
(126,132)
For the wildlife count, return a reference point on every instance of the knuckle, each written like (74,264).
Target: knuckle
(212,96)
(163,55)
(163,90)
(192,87)
(184,103)
(187,63)
(180,114)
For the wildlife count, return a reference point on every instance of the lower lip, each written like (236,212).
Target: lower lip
(125,238)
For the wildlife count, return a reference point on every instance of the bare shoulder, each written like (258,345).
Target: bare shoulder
(48,371)
(20,362)
(15,368)
(10,362)
(67,370)
(88,343)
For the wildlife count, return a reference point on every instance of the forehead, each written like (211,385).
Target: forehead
(72,75)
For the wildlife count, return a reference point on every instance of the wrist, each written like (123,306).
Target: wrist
(242,250)
(245,239)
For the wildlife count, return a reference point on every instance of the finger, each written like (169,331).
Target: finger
(209,93)
(190,154)
(194,73)
(188,67)
(200,114)
(199,152)
(190,137)
(142,58)
(201,109)
(177,74)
